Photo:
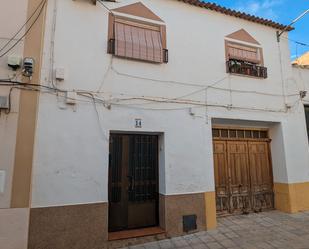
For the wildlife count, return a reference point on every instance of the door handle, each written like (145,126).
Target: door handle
(130,183)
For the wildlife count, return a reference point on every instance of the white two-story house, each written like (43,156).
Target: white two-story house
(156,117)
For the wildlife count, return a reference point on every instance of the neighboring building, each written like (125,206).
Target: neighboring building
(301,79)
(154,114)
(302,60)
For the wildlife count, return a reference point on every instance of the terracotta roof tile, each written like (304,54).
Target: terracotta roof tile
(242,15)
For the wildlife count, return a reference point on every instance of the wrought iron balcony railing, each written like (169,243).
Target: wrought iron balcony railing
(245,68)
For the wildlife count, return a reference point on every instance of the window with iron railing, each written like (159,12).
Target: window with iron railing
(137,40)
(246,68)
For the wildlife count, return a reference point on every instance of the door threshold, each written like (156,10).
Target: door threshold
(135,233)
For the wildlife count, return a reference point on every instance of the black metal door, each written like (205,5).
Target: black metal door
(133,181)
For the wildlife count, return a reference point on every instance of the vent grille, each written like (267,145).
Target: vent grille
(189,223)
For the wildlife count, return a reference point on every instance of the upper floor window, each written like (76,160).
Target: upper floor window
(244,55)
(137,33)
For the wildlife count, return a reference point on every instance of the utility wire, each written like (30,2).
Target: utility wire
(297,42)
(290,25)
(108,9)
(27,31)
(156,80)
(202,87)
(22,27)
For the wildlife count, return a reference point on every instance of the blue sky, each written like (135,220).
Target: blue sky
(282,11)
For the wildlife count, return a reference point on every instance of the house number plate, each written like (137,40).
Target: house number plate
(138,123)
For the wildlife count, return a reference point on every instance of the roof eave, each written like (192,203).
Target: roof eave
(238,14)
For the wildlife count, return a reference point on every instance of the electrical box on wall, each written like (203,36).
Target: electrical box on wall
(14,61)
(60,74)
(2,181)
(4,102)
(71,98)
(28,67)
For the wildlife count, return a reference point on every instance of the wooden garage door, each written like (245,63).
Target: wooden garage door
(243,173)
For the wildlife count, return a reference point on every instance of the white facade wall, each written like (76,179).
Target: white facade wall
(13,15)
(71,151)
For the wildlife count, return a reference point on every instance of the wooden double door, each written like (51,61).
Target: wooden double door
(133,181)
(243,176)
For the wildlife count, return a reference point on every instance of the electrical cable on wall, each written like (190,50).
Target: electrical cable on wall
(203,89)
(35,87)
(110,65)
(196,85)
(157,80)
(282,76)
(52,47)
(116,101)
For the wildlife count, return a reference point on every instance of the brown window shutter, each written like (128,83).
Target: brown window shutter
(245,53)
(138,41)
(150,47)
(157,46)
(143,44)
(120,40)
(128,41)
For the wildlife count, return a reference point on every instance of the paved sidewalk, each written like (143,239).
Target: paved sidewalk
(255,231)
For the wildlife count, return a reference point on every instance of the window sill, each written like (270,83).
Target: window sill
(248,76)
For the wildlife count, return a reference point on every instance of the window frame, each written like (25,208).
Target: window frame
(140,24)
(307,119)
(252,69)
(236,43)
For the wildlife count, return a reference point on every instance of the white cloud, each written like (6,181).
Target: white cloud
(263,8)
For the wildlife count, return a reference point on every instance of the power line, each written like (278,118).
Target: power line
(297,42)
(108,9)
(290,25)
(21,28)
(27,31)
(203,89)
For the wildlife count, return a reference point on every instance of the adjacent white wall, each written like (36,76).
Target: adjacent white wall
(71,156)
